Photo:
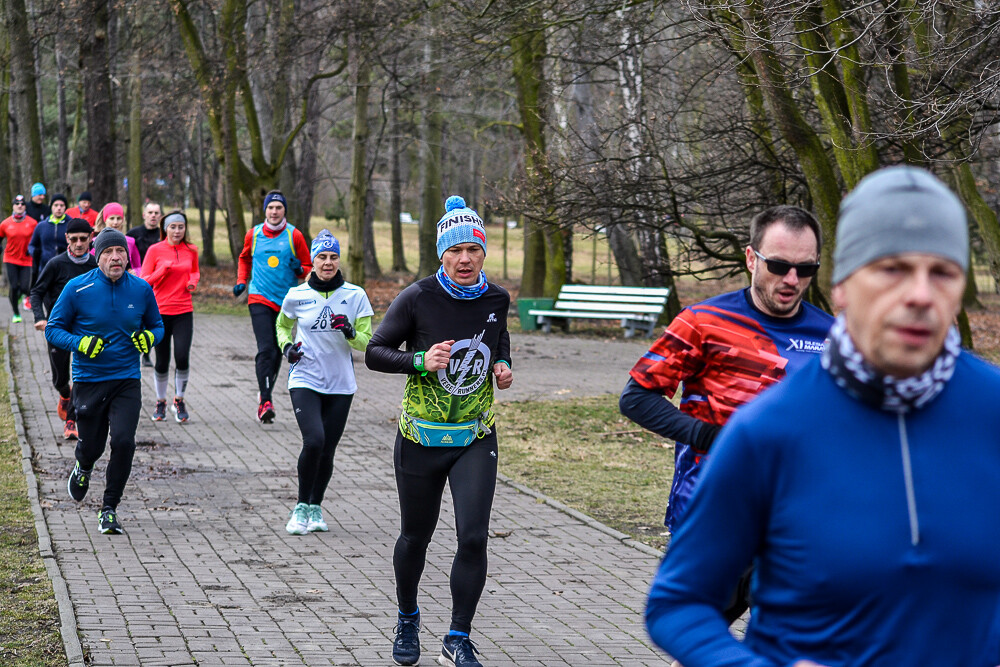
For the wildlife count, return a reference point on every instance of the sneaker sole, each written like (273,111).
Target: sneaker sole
(405,664)
(112,531)
(444,660)
(297,531)
(319,529)
(158,419)
(71,436)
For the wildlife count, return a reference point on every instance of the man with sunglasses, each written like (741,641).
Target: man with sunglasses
(729,348)
(76,261)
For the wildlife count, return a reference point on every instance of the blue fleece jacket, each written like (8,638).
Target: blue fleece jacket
(47,241)
(876,536)
(93,305)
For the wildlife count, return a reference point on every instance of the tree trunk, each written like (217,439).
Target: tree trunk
(372,270)
(135,142)
(395,186)
(29,133)
(359,173)
(305,178)
(63,178)
(984,216)
(7,181)
(431,199)
(533,272)
(94,58)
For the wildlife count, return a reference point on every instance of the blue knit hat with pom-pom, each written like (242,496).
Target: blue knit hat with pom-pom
(459,224)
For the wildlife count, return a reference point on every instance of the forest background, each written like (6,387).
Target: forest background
(660,126)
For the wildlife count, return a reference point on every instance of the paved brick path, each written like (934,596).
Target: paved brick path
(206,574)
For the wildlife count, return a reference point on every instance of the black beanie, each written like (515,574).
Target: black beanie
(58,197)
(78,226)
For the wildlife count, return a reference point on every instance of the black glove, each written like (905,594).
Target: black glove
(293,353)
(342,324)
(239,288)
(296,265)
(705,437)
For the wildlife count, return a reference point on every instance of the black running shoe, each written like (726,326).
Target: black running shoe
(180,410)
(406,646)
(79,482)
(107,519)
(458,651)
(160,413)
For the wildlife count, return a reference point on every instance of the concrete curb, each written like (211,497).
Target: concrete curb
(68,628)
(580,516)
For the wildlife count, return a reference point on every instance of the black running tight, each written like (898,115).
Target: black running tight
(268,359)
(180,329)
(321,419)
(421,473)
(18,283)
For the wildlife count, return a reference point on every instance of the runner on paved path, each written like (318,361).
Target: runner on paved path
(76,261)
(106,317)
(330,317)
(49,238)
(728,349)
(112,216)
(454,325)
(17,231)
(83,208)
(149,233)
(171,268)
(864,486)
(275,255)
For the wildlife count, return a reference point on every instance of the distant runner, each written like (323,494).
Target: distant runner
(16,232)
(332,316)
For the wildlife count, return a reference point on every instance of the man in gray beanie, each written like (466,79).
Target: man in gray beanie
(865,486)
(106,318)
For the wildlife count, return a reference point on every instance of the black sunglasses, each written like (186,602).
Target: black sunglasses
(78,238)
(780,267)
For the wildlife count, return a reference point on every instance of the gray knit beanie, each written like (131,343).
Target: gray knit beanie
(897,210)
(108,238)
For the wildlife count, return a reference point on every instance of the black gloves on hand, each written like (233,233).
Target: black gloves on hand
(239,288)
(293,353)
(342,324)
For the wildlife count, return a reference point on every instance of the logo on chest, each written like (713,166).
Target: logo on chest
(468,367)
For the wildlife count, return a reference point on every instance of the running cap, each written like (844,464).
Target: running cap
(897,210)
(459,224)
(78,226)
(59,197)
(37,189)
(19,199)
(324,242)
(109,238)
(274,195)
(85,196)
(114,208)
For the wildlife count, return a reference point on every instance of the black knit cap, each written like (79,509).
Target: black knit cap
(58,197)
(78,226)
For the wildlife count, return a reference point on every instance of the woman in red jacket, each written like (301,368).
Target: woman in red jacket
(17,230)
(171,268)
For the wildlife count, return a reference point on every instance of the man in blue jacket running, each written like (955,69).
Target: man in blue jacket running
(107,317)
(865,486)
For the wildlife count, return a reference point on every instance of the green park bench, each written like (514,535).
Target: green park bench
(638,308)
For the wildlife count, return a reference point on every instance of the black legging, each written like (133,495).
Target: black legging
(268,359)
(321,418)
(180,328)
(19,281)
(59,360)
(420,476)
(102,406)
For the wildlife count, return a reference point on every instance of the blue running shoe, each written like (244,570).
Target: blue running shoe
(406,646)
(458,651)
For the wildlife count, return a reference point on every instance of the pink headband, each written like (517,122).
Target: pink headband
(114,208)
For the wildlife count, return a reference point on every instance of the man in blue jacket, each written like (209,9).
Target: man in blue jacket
(865,486)
(106,317)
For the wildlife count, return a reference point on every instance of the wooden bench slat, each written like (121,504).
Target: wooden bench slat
(612,289)
(608,307)
(607,298)
(574,314)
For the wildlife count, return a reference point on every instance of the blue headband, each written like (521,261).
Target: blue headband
(275,196)
(324,242)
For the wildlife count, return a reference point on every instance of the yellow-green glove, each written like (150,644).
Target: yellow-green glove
(91,346)
(143,341)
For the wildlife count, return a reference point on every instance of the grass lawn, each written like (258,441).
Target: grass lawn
(29,617)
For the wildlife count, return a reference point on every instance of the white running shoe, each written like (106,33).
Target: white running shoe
(298,522)
(316,522)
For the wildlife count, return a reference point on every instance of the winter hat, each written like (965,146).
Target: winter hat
(109,238)
(85,196)
(324,242)
(19,199)
(897,210)
(114,208)
(37,189)
(274,195)
(59,197)
(78,226)
(459,225)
